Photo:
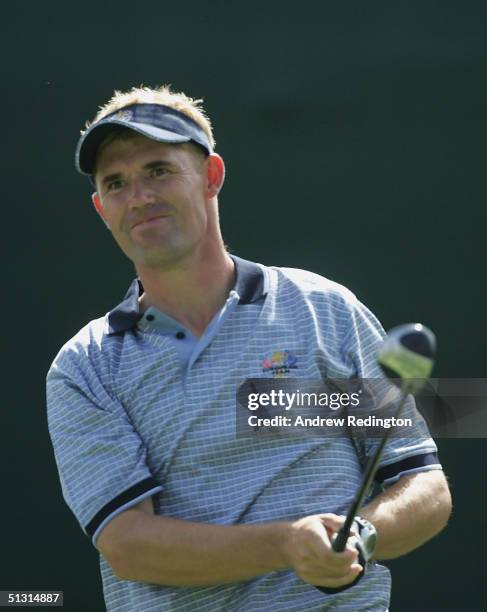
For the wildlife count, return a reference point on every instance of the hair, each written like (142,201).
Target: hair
(159,95)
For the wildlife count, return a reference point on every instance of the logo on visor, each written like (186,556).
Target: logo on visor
(123,115)
(279,363)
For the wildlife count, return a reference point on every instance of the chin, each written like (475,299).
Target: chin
(158,259)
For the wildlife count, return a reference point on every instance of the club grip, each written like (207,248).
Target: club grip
(340,541)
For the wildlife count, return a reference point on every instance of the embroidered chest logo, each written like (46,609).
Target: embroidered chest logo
(280,363)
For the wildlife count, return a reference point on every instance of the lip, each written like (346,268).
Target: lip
(148,221)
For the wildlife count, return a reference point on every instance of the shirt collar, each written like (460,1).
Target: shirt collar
(249,285)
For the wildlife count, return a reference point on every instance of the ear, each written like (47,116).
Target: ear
(95,198)
(215,174)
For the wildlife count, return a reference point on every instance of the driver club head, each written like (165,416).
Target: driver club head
(407,354)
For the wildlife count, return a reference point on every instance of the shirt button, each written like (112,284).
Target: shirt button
(150,317)
(180,335)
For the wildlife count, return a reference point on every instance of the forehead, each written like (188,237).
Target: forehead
(134,148)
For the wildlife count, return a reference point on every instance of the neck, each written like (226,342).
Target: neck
(190,291)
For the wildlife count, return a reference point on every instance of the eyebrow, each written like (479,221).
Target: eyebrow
(149,166)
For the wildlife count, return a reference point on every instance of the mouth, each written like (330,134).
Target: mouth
(148,221)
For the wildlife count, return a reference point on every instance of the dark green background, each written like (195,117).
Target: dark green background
(354,136)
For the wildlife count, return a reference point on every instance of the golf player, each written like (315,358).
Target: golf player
(187,515)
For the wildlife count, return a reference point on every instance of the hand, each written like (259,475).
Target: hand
(307,550)
(363,537)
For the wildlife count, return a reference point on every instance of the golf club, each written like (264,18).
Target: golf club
(406,357)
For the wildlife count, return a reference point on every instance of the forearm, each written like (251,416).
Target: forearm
(409,513)
(162,550)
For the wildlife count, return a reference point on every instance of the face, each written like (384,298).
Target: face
(157,199)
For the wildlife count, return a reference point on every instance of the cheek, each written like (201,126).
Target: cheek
(117,224)
(116,215)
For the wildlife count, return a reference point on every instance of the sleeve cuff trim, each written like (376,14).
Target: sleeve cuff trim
(392,471)
(124,500)
(427,468)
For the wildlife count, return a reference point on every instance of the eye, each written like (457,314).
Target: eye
(159,171)
(114,185)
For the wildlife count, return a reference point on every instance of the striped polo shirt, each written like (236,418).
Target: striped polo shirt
(138,407)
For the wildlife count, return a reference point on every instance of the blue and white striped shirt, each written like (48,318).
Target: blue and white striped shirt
(138,408)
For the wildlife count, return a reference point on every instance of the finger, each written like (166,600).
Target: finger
(319,543)
(333,520)
(350,550)
(318,555)
(334,523)
(337,564)
(352,543)
(335,581)
(319,540)
(347,557)
(323,544)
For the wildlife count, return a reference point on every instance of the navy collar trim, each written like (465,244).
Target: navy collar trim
(126,315)
(249,284)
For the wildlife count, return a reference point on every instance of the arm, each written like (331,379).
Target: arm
(142,546)
(409,513)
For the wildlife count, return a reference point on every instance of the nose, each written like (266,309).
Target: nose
(141,193)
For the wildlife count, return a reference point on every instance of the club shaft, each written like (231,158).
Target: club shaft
(342,536)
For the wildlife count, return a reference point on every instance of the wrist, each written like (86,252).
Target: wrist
(282,543)
(367,535)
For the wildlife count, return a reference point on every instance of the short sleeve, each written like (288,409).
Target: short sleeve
(402,455)
(100,457)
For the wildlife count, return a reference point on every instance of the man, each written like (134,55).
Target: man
(187,515)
